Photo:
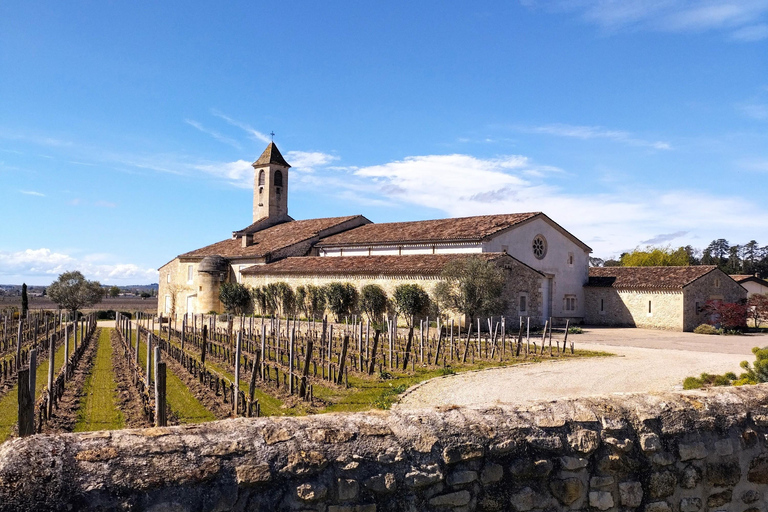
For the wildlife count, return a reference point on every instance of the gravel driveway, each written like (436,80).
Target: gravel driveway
(645,361)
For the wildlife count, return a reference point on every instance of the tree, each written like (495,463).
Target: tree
(728,315)
(411,300)
(114,291)
(315,301)
(596,262)
(301,300)
(373,301)
(71,291)
(235,297)
(656,257)
(758,307)
(285,299)
(475,287)
(24,301)
(758,372)
(271,298)
(341,298)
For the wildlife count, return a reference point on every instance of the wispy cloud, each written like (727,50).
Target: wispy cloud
(46,263)
(757,111)
(594,132)
(216,135)
(32,193)
(615,216)
(743,20)
(238,173)
(252,132)
(308,161)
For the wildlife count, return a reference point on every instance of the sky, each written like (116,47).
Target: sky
(127,129)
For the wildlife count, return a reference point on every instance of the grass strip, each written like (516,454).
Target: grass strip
(9,404)
(98,405)
(184,406)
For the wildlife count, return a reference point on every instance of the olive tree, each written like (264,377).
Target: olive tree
(411,300)
(235,297)
(72,291)
(474,287)
(341,298)
(314,301)
(373,301)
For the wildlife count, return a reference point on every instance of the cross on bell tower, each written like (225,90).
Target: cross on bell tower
(270,184)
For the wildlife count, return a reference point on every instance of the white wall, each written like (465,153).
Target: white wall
(567,279)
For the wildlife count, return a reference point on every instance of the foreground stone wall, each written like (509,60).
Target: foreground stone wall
(686,452)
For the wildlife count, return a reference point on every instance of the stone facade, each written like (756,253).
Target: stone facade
(683,452)
(520,280)
(674,308)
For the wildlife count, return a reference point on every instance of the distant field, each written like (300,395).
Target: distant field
(117,304)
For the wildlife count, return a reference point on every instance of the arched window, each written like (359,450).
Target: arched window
(278,179)
(261,178)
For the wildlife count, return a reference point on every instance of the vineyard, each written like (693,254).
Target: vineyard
(77,376)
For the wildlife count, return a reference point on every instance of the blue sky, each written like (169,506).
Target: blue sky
(127,129)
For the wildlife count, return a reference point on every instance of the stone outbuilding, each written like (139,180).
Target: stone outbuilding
(669,298)
(753,284)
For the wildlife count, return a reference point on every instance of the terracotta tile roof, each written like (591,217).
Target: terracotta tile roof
(269,240)
(656,278)
(464,229)
(271,155)
(740,277)
(420,264)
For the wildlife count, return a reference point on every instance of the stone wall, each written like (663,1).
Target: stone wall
(684,452)
(629,308)
(715,285)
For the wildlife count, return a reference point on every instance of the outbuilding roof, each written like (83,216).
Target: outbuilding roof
(270,239)
(650,278)
(412,264)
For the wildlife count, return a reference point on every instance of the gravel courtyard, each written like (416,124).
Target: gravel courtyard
(645,361)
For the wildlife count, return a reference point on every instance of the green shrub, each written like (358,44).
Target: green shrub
(692,383)
(731,376)
(706,329)
(575,330)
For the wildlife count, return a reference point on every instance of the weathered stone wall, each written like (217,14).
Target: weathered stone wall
(715,285)
(687,452)
(630,308)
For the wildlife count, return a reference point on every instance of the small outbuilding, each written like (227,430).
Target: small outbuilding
(671,298)
(753,284)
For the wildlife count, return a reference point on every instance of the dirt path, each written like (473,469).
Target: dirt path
(633,369)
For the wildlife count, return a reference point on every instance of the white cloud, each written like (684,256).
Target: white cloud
(32,193)
(252,132)
(743,19)
(607,220)
(238,173)
(757,111)
(216,135)
(44,265)
(593,132)
(308,161)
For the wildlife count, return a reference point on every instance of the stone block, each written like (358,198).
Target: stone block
(601,482)
(523,500)
(690,504)
(692,451)
(662,484)
(573,463)
(527,468)
(251,474)
(417,478)
(311,492)
(758,469)
(464,452)
(723,474)
(491,474)
(663,459)
(631,494)
(548,443)
(650,442)
(600,500)
(453,499)
(719,499)
(658,506)
(621,445)
(348,489)
(305,463)
(584,441)
(567,490)
(690,477)
(750,496)
(384,483)
(458,478)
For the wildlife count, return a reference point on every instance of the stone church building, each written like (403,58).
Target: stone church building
(546,267)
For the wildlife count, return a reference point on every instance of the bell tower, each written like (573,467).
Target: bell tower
(270,185)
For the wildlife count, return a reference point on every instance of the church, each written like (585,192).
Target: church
(546,267)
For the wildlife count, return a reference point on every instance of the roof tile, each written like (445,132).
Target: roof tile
(657,278)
